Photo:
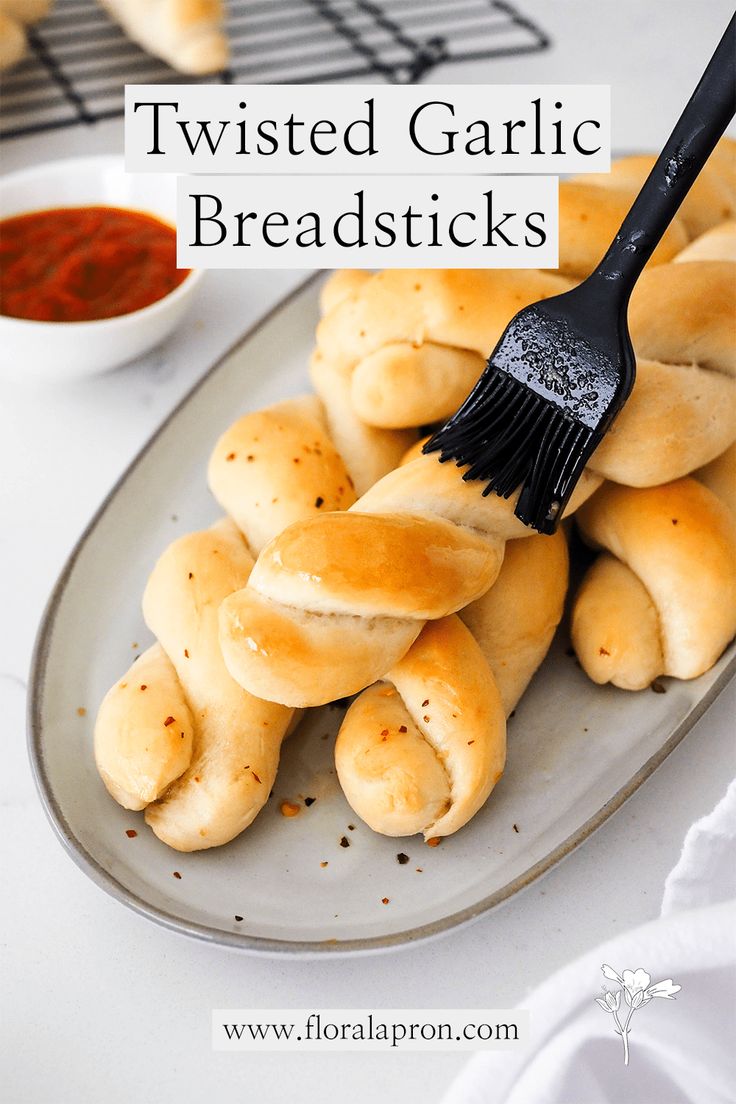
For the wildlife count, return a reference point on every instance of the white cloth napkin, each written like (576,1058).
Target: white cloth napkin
(682,1050)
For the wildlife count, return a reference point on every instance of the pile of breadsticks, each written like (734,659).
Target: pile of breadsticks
(349,563)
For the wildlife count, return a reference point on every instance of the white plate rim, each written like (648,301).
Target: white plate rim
(263,945)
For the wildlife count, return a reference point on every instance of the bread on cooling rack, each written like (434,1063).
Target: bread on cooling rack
(187,34)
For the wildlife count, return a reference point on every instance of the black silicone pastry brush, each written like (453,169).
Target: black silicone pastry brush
(564,367)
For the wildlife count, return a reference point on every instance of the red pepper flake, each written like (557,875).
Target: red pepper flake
(435,841)
(420,870)
(674,521)
(250,457)
(168,721)
(603,651)
(144,686)
(319,501)
(131,833)
(309,801)
(402,859)
(344,842)
(81,711)
(470,742)
(402,728)
(255,776)
(323,864)
(290,809)
(238,918)
(384,900)
(197,778)
(425,718)
(230,456)
(296,460)
(384,732)
(515,827)
(191,575)
(186,653)
(658,688)
(177,875)
(425,702)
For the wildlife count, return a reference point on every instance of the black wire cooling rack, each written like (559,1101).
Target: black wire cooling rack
(79,60)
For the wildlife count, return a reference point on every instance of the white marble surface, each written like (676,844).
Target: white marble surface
(88,988)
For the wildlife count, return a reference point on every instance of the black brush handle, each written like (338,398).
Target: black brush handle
(709,111)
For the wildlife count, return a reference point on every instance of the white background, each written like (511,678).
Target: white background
(100,1006)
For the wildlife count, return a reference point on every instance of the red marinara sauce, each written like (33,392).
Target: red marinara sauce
(76,264)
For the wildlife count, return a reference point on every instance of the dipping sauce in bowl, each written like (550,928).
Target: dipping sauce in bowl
(80,264)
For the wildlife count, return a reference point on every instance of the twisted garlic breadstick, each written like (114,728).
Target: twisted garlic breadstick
(682,410)
(404,347)
(662,598)
(176,735)
(421,751)
(335,602)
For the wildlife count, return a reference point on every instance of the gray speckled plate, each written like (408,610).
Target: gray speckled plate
(576,752)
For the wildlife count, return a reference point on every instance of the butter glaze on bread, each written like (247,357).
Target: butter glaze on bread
(333,603)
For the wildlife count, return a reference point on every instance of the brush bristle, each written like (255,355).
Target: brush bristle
(509,437)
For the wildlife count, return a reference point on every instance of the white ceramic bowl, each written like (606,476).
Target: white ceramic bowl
(63,350)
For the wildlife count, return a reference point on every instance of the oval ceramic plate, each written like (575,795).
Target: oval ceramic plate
(317,882)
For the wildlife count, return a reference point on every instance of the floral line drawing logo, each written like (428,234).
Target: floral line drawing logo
(637,990)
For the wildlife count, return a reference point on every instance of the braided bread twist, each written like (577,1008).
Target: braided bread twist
(404,347)
(176,735)
(682,410)
(662,598)
(335,602)
(422,750)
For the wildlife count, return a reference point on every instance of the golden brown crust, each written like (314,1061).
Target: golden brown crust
(716,244)
(421,543)
(720,477)
(680,542)
(137,753)
(236,737)
(590,217)
(460,311)
(711,200)
(615,627)
(515,621)
(424,757)
(682,411)
(277,465)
